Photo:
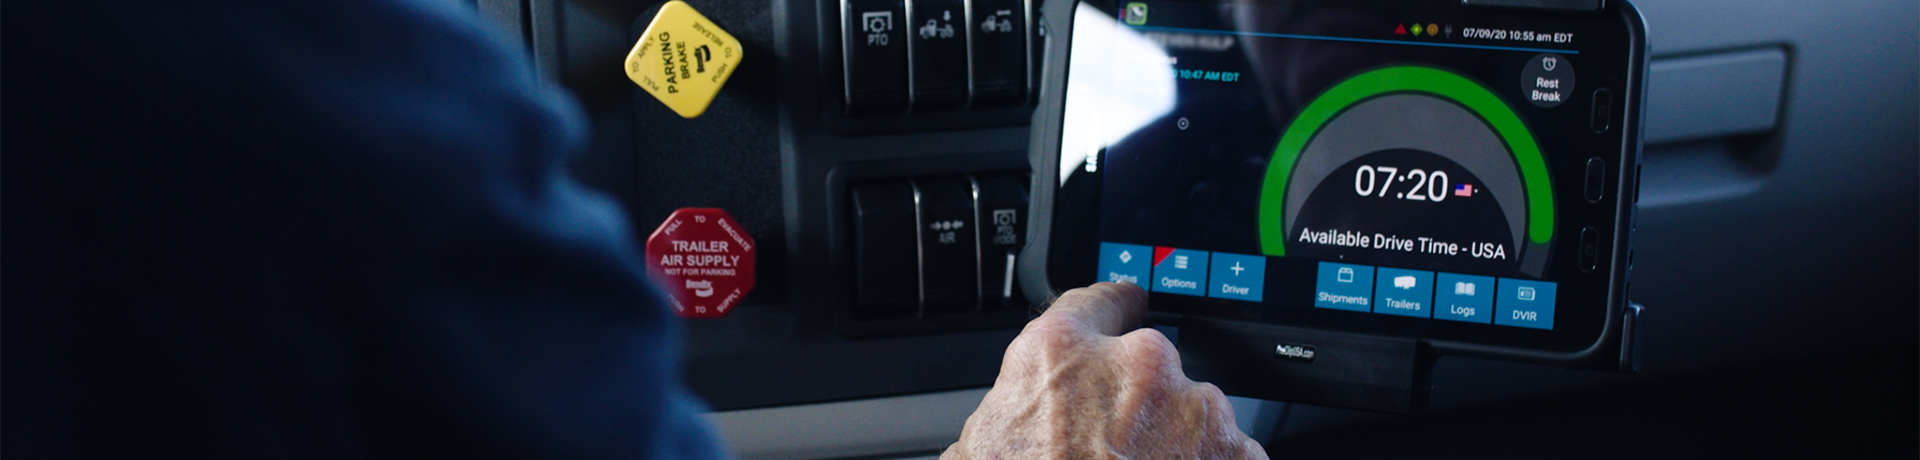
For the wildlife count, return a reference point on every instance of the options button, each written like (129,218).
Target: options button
(1124,263)
(1404,293)
(1179,271)
(1463,298)
(1344,287)
(1525,303)
(1237,277)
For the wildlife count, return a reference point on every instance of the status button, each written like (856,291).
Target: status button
(1124,263)
(1179,271)
(1237,277)
(1344,287)
(1404,293)
(1525,303)
(1463,298)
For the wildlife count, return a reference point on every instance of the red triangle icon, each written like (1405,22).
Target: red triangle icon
(1160,254)
(1401,30)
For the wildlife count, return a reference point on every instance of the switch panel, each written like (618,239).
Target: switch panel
(886,268)
(937,53)
(999,51)
(949,257)
(1002,213)
(874,52)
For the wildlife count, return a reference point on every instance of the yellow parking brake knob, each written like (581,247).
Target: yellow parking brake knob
(683,59)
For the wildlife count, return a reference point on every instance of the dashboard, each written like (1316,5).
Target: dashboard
(876,153)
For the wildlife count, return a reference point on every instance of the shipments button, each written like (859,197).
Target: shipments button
(1344,287)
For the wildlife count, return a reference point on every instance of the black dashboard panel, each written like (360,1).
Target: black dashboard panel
(780,150)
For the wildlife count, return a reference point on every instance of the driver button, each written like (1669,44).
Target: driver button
(1596,179)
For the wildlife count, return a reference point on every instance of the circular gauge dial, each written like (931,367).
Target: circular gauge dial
(1411,167)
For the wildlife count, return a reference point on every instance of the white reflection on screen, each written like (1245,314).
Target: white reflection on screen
(1118,81)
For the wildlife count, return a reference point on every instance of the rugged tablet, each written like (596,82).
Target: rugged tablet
(1337,192)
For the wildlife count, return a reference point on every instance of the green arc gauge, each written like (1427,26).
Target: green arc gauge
(1344,143)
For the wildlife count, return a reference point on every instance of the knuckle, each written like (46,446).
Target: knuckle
(1252,448)
(1213,397)
(1149,345)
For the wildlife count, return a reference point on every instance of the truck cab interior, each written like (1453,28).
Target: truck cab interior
(1776,248)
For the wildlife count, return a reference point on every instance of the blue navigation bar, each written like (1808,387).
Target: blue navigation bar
(1350,287)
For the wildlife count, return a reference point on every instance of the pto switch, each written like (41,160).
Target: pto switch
(874,48)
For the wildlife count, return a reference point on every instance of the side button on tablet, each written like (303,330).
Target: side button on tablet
(1589,249)
(1596,179)
(1602,110)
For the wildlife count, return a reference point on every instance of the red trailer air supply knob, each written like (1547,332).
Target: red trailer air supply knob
(703,260)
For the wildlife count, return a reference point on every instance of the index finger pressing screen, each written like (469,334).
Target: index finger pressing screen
(1103,308)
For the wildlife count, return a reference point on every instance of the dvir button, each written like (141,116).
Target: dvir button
(1524,303)
(1237,277)
(1179,271)
(1344,287)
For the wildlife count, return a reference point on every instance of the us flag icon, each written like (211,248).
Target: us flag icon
(1462,190)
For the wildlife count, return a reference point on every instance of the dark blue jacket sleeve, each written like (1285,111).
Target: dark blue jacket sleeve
(313,229)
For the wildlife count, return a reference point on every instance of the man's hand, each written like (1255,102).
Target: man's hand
(1072,385)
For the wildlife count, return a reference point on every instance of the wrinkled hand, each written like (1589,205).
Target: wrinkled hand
(1072,386)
